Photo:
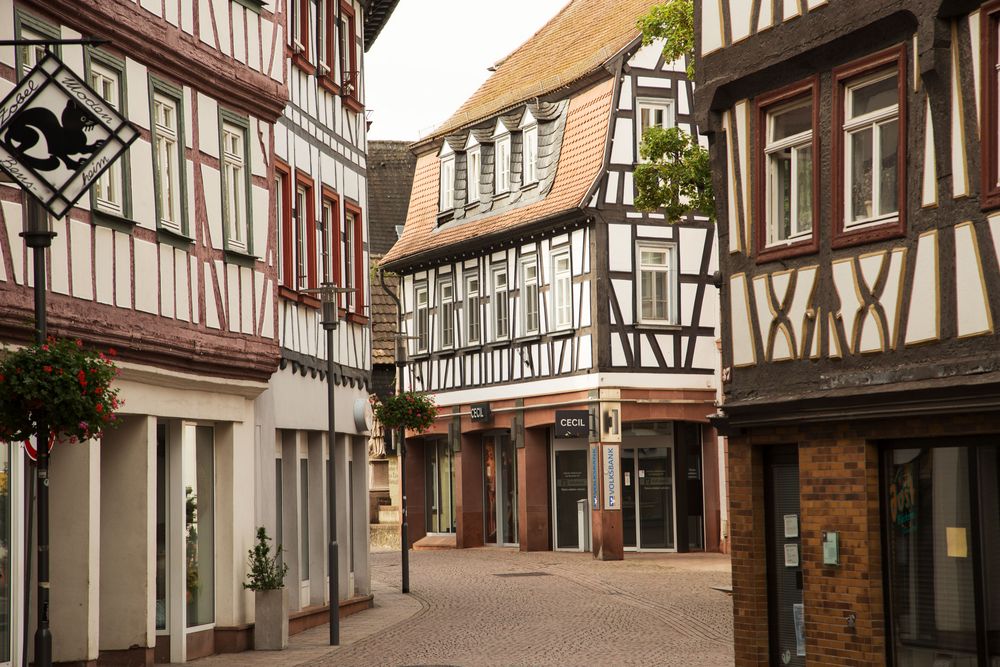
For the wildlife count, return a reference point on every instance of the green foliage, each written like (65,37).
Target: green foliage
(673,22)
(410,410)
(62,385)
(678,176)
(267,572)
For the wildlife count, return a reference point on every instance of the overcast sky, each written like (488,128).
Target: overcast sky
(433,54)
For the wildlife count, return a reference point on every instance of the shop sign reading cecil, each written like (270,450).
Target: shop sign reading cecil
(481,412)
(57,135)
(572,423)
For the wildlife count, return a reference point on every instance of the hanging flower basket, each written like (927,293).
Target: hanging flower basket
(62,385)
(410,410)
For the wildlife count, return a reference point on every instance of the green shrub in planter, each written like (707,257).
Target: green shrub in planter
(410,410)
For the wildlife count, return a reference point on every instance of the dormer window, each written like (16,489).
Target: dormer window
(530,155)
(502,165)
(474,167)
(447,201)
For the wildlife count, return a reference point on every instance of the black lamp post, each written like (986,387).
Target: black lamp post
(328,295)
(404,531)
(38,236)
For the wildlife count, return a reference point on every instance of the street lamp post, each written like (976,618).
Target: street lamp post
(328,295)
(404,526)
(38,237)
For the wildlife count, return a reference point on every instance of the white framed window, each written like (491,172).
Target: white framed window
(789,172)
(168,156)
(235,216)
(300,261)
(350,257)
(501,167)
(652,113)
(109,188)
(473,325)
(871,149)
(501,303)
(657,283)
(562,291)
(446,312)
(474,170)
(529,155)
(447,201)
(529,295)
(420,317)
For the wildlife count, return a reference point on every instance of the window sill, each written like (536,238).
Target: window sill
(659,326)
(175,239)
(357,318)
(353,104)
(472,206)
(890,229)
(252,5)
(496,344)
(420,356)
(111,221)
(239,258)
(302,62)
(445,216)
(530,186)
(500,195)
(528,338)
(806,246)
(328,84)
(562,333)
(471,348)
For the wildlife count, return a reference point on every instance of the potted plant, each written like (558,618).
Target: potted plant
(266,579)
(61,385)
(409,410)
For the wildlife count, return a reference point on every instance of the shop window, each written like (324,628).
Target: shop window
(657,283)
(440,476)
(562,291)
(501,303)
(472,310)
(529,295)
(870,149)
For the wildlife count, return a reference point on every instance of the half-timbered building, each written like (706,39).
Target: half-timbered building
(531,285)
(855,159)
(166,260)
(321,238)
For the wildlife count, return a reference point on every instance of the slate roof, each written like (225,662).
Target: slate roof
(390,176)
(580,162)
(582,37)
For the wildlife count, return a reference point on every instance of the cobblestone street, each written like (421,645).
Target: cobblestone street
(501,607)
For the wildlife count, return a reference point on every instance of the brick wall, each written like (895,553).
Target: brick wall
(839,491)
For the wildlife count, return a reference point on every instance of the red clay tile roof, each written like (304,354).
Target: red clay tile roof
(582,37)
(580,162)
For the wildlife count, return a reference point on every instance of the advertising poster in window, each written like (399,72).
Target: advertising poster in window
(903,499)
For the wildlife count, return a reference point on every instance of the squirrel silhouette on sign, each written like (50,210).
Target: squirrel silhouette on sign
(64,139)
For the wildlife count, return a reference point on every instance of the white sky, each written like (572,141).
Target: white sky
(433,54)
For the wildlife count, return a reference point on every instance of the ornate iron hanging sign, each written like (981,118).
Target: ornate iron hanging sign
(57,136)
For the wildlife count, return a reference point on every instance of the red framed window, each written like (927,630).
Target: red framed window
(786,179)
(284,223)
(304,234)
(300,35)
(990,155)
(353,258)
(869,149)
(330,248)
(350,82)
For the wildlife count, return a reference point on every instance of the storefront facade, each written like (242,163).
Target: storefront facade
(856,161)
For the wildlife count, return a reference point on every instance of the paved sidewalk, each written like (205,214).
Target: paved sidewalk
(501,607)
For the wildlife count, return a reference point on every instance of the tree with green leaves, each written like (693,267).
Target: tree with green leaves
(675,175)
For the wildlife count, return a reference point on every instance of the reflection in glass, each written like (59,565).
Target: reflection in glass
(440,488)
(162,503)
(198,468)
(874,96)
(571,487)
(509,469)
(490,489)
(6,551)
(303,519)
(656,498)
(628,497)
(889,173)
(861,174)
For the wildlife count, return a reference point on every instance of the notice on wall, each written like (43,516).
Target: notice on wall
(791,525)
(799,616)
(958,544)
(611,460)
(791,555)
(628,479)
